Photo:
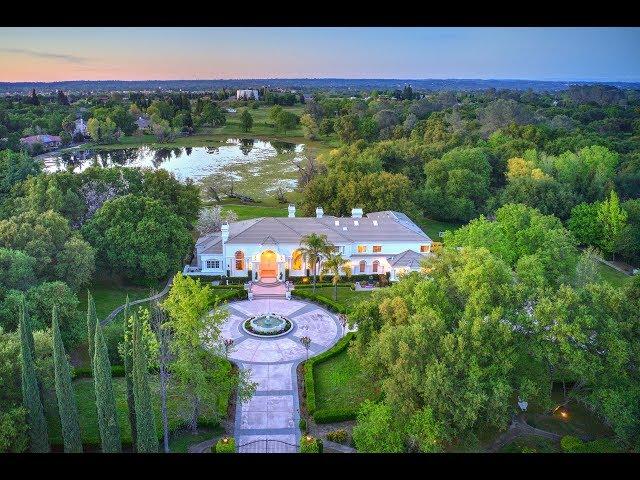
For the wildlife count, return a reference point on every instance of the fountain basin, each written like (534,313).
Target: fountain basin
(267,325)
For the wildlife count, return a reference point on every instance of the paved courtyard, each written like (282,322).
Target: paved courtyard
(273,412)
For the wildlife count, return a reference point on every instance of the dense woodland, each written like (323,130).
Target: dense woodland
(513,305)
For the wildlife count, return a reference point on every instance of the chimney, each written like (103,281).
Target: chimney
(356,213)
(292,211)
(319,212)
(225,232)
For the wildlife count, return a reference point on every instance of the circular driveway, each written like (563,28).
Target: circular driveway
(273,412)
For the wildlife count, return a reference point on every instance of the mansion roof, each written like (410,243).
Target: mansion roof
(384,226)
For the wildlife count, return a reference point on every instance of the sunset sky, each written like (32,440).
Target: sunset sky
(53,54)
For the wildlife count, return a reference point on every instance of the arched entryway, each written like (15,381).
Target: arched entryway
(268,265)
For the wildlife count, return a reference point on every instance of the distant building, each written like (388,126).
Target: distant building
(80,128)
(247,95)
(48,142)
(231,110)
(143,123)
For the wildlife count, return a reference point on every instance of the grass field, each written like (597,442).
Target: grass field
(433,227)
(108,296)
(336,383)
(613,276)
(346,296)
(182,439)
(85,397)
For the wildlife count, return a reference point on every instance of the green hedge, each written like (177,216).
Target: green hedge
(310,445)
(322,300)
(224,447)
(226,294)
(571,444)
(325,284)
(309,385)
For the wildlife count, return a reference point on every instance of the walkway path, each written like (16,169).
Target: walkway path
(273,412)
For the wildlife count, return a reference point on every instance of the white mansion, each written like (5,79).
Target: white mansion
(378,243)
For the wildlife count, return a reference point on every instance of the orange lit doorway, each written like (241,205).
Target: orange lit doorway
(268,266)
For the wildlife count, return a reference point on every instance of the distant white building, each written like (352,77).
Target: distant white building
(231,110)
(247,95)
(143,123)
(80,128)
(379,243)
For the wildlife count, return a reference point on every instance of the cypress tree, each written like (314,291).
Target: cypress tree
(127,357)
(92,319)
(105,399)
(38,431)
(147,441)
(67,407)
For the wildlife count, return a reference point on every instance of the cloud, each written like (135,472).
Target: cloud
(56,56)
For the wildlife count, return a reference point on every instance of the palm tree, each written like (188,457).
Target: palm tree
(332,266)
(312,248)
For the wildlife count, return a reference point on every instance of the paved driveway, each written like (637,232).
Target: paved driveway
(273,412)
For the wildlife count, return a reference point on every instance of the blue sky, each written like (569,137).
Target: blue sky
(49,54)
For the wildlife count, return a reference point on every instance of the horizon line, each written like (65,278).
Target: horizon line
(324,78)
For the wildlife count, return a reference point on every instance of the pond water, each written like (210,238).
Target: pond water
(254,166)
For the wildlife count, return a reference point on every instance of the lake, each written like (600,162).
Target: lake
(255,167)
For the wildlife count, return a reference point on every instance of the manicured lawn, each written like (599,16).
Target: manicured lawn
(613,276)
(346,296)
(433,227)
(531,444)
(85,396)
(108,296)
(246,212)
(183,439)
(337,385)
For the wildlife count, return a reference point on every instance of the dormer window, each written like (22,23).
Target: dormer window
(375,223)
(424,248)
(355,223)
(362,249)
(337,223)
(377,248)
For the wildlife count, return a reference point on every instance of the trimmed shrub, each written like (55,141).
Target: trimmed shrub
(302,424)
(309,444)
(224,445)
(339,436)
(571,444)
(228,294)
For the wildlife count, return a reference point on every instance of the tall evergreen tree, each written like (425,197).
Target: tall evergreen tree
(67,407)
(147,441)
(126,351)
(92,319)
(38,431)
(105,399)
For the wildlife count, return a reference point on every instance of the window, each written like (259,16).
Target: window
(424,248)
(377,248)
(239,260)
(376,264)
(215,264)
(363,266)
(296,258)
(355,222)
(362,249)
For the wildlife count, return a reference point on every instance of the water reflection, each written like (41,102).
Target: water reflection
(241,158)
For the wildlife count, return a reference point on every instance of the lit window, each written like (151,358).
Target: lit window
(362,249)
(377,248)
(375,223)
(355,222)
(297,260)
(376,264)
(337,223)
(424,248)
(213,264)
(363,266)
(239,260)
